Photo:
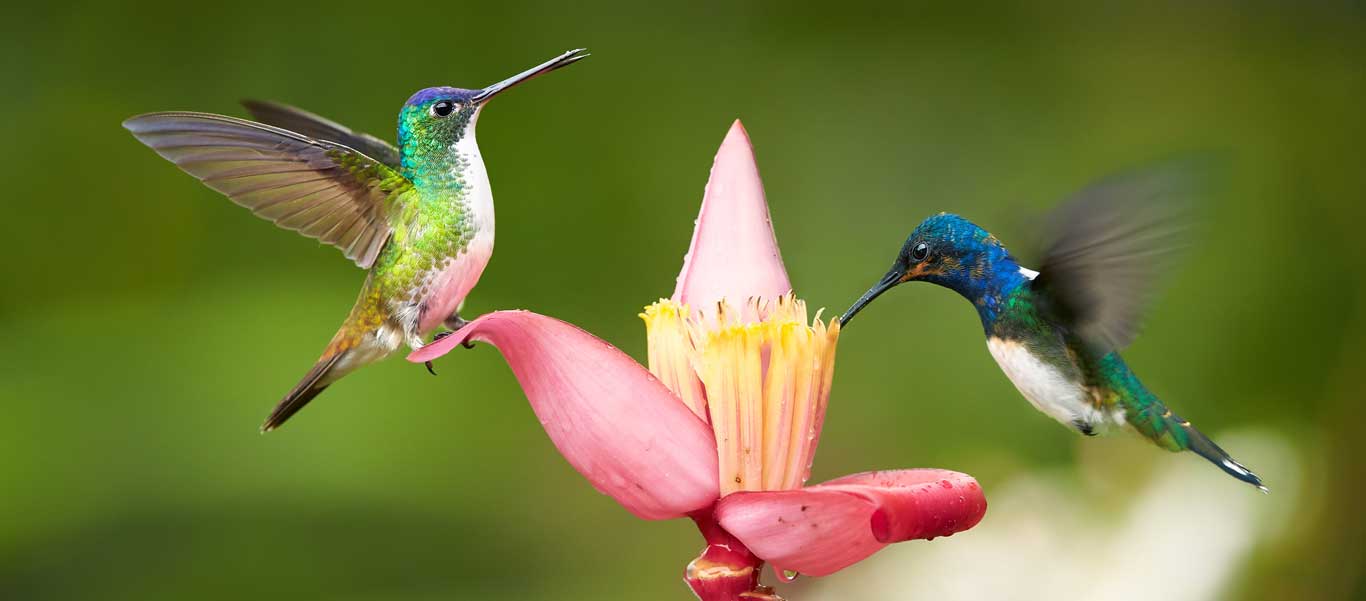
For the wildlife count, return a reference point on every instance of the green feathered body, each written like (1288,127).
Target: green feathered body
(442,220)
(438,232)
(1083,387)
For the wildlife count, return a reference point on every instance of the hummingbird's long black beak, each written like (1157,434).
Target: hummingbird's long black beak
(563,60)
(887,282)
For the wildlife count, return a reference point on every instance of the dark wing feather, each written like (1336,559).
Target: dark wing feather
(319,188)
(313,126)
(1106,246)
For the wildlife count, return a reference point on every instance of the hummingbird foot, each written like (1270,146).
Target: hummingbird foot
(436,337)
(454,323)
(440,335)
(1084,427)
(457,323)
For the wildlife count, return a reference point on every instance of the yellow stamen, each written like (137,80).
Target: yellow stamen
(761,375)
(670,353)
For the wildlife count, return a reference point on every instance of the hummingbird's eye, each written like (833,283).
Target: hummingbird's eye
(920,252)
(443,108)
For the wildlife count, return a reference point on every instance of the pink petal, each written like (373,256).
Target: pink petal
(825,528)
(734,254)
(616,424)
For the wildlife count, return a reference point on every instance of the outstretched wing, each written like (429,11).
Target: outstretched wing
(301,121)
(1105,247)
(319,188)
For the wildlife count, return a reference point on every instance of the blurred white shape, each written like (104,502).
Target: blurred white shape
(1181,537)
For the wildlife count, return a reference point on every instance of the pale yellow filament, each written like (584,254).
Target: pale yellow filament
(759,373)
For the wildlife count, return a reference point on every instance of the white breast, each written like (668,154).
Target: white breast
(459,274)
(1044,385)
(478,193)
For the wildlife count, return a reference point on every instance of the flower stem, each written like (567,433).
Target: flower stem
(726,570)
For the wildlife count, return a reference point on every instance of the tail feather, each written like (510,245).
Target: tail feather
(1204,447)
(316,381)
(1169,431)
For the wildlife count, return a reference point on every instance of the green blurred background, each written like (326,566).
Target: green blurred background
(151,324)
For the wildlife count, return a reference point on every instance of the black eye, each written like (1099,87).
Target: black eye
(443,108)
(920,251)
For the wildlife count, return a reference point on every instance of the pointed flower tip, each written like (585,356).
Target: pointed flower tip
(737,135)
(734,254)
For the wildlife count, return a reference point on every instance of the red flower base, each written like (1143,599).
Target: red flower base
(726,570)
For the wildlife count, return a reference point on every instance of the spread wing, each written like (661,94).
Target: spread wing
(301,121)
(319,188)
(1106,246)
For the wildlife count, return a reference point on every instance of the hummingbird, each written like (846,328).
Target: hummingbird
(1057,332)
(418,218)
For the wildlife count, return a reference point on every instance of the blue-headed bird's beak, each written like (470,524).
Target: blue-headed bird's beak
(894,276)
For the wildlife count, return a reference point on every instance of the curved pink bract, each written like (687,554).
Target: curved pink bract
(734,253)
(616,424)
(821,529)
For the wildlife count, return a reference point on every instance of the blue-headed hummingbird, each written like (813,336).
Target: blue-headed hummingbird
(1057,332)
(418,217)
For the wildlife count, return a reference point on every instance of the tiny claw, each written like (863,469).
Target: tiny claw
(440,335)
(429,367)
(455,323)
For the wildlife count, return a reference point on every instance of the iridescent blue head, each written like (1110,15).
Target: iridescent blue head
(435,119)
(955,253)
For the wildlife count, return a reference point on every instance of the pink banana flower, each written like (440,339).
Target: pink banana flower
(723,425)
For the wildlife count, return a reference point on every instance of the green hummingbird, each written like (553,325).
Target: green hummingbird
(1057,332)
(418,217)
